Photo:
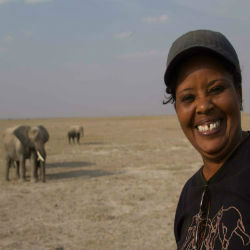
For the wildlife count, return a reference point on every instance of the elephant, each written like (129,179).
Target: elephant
(225,225)
(24,142)
(75,132)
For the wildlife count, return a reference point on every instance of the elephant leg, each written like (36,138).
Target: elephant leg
(240,231)
(37,166)
(8,164)
(17,169)
(78,138)
(42,171)
(22,169)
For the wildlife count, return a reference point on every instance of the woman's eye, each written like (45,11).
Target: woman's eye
(216,90)
(188,98)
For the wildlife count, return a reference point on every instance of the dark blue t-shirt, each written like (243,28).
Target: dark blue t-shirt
(228,225)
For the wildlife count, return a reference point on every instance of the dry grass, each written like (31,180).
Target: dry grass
(118,189)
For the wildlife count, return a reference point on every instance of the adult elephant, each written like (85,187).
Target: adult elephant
(22,143)
(75,132)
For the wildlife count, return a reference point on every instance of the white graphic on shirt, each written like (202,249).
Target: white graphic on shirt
(221,228)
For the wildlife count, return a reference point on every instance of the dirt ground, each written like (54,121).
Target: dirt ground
(118,189)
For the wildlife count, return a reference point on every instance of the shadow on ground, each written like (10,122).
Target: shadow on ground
(79,173)
(70,164)
(93,143)
(86,143)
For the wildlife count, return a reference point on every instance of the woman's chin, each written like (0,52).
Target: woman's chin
(212,149)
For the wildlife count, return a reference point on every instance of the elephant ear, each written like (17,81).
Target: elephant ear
(44,133)
(21,133)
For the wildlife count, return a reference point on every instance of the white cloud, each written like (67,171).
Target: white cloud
(8,38)
(223,8)
(24,1)
(4,42)
(123,35)
(6,1)
(160,19)
(27,33)
(142,55)
(36,1)
(3,49)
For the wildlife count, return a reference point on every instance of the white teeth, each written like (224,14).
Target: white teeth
(208,127)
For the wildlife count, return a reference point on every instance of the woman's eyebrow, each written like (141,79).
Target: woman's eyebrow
(216,80)
(184,90)
(211,83)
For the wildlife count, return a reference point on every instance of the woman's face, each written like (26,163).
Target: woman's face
(208,107)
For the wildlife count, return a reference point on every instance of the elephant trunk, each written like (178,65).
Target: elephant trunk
(38,164)
(42,172)
(33,169)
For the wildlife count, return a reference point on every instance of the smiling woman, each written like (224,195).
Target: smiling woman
(203,79)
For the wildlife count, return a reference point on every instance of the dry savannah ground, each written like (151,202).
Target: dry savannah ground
(118,189)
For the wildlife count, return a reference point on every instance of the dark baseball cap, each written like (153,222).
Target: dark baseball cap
(198,42)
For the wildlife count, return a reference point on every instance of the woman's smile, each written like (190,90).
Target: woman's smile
(209,127)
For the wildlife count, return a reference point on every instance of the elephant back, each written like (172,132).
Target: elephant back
(76,129)
(8,136)
(8,131)
(73,129)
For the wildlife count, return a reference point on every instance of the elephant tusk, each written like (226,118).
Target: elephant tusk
(39,156)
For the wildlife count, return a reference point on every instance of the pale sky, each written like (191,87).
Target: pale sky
(61,58)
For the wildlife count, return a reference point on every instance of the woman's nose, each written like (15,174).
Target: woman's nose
(204,105)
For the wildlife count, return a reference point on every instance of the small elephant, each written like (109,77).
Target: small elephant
(22,143)
(75,132)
